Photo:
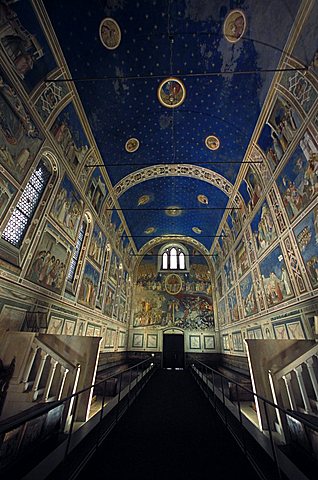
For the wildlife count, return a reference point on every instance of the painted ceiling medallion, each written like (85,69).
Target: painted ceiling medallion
(143,200)
(173,211)
(110,33)
(149,230)
(171,92)
(173,284)
(203,199)
(197,230)
(234,26)
(132,145)
(212,142)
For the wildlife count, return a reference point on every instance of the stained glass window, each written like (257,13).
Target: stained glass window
(21,217)
(76,252)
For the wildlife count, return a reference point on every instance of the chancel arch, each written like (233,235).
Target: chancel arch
(179,170)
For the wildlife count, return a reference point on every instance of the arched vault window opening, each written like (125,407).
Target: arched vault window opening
(173,257)
(22,214)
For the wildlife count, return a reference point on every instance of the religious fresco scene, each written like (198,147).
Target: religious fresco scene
(69,135)
(306,233)
(97,190)
(97,245)
(188,305)
(248,296)
(241,258)
(263,228)
(67,209)
(20,139)
(233,305)
(109,299)
(229,273)
(298,182)
(50,262)
(223,319)
(27,51)
(254,187)
(275,278)
(279,131)
(89,286)
(235,222)
(114,268)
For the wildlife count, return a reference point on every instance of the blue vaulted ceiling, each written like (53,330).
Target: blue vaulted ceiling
(119,93)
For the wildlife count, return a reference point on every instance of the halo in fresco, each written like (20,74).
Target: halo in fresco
(132,145)
(173,211)
(173,284)
(109,33)
(171,92)
(234,26)
(212,142)
(203,199)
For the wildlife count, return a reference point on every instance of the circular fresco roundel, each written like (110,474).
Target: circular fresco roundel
(212,142)
(234,26)
(109,33)
(173,284)
(173,211)
(171,92)
(132,145)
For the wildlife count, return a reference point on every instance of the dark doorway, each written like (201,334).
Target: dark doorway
(173,351)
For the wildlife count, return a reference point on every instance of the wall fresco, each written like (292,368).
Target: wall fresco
(97,190)
(306,233)
(68,208)
(233,306)
(89,286)
(263,228)
(229,273)
(298,182)
(254,187)
(97,245)
(20,139)
(68,133)
(241,259)
(190,308)
(275,278)
(50,261)
(282,125)
(248,296)
(24,44)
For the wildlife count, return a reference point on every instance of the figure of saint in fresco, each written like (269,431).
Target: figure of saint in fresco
(22,47)
(48,271)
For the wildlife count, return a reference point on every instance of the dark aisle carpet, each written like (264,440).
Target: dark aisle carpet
(170,432)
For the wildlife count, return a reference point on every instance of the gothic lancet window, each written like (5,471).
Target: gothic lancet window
(23,212)
(173,257)
(76,252)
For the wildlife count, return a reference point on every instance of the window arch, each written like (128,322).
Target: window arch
(173,257)
(28,202)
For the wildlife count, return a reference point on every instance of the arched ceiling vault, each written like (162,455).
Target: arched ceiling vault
(218,59)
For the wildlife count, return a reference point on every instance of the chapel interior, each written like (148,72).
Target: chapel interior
(158,236)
